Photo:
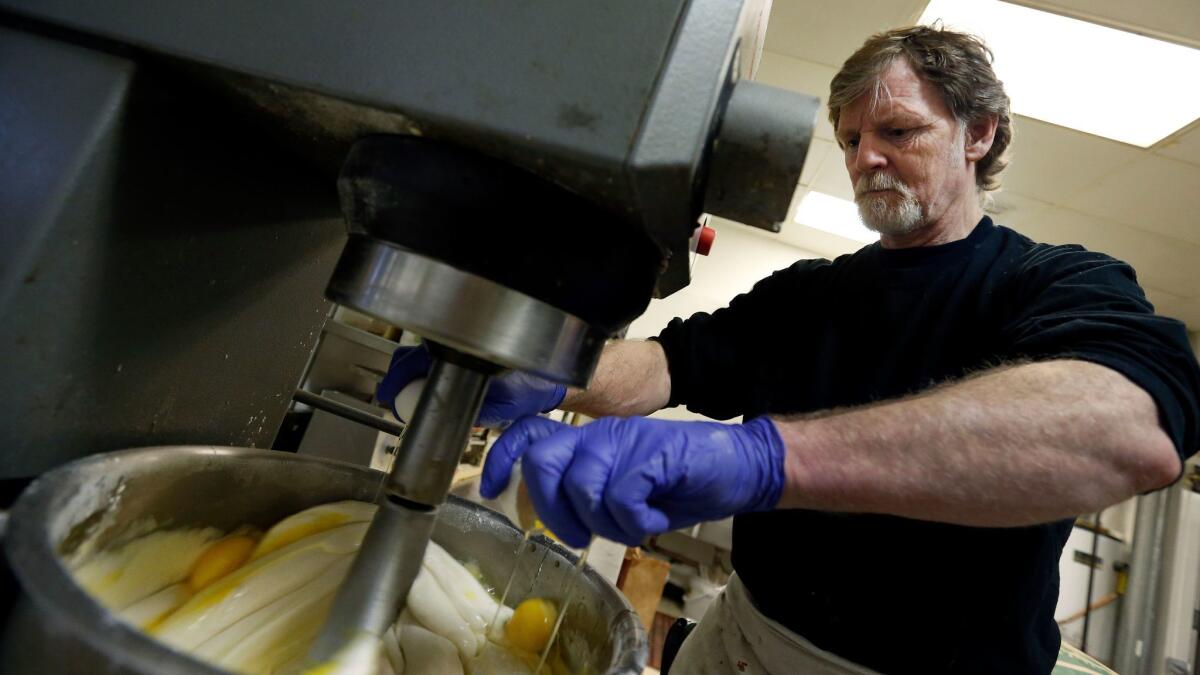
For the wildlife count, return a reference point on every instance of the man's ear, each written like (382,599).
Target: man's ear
(979,137)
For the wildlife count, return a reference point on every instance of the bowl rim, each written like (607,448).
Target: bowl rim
(46,582)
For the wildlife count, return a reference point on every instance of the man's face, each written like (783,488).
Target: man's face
(905,154)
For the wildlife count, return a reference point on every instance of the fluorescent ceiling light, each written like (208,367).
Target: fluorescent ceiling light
(1081,75)
(833,215)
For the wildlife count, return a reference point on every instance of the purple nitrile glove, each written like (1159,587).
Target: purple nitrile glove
(509,396)
(628,478)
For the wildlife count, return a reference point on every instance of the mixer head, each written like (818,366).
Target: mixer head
(428,254)
(486,258)
(498,268)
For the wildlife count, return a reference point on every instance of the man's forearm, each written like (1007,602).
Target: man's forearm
(1015,446)
(630,379)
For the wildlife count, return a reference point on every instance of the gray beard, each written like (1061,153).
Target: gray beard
(884,213)
(900,218)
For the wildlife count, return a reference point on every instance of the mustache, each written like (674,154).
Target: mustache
(880,181)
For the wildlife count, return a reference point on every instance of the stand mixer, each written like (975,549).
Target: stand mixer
(517,183)
(538,290)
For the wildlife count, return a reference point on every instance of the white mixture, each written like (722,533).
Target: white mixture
(254,604)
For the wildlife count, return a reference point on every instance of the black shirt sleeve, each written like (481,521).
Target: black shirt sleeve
(1072,303)
(715,359)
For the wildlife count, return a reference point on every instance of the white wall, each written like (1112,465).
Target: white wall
(740,256)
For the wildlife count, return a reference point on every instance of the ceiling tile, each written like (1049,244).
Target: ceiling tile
(822,243)
(819,242)
(1152,193)
(818,152)
(1163,262)
(1176,20)
(1052,163)
(1169,304)
(786,72)
(1011,209)
(832,178)
(1184,146)
(828,31)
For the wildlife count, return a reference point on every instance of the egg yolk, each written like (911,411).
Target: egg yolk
(531,624)
(220,559)
(277,539)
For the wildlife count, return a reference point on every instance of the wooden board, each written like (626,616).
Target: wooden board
(642,580)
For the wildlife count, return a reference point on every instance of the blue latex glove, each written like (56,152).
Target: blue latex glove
(509,396)
(627,478)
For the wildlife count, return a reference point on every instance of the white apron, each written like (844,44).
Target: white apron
(734,637)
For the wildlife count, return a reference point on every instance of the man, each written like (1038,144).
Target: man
(923,417)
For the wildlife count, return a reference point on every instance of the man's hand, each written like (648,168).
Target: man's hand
(509,396)
(627,478)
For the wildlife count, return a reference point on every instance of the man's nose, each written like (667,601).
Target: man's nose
(869,157)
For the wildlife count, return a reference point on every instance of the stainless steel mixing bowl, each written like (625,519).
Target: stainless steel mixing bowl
(57,627)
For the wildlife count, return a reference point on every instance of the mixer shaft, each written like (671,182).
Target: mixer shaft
(390,558)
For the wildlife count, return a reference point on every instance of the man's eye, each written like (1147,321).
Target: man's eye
(852,143)
(897,133)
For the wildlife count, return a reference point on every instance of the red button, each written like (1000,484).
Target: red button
(704,238)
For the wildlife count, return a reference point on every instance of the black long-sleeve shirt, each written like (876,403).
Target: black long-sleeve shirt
(896,594)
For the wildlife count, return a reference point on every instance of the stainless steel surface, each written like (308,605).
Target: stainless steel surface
(342,410)
(57,628)
(335,437)
(464,311)
(1137,625)
(754,135)
(348,359)
(377,585)
(1177,613)
(358,336)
